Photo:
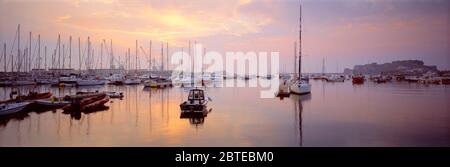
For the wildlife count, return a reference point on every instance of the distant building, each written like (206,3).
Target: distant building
(405,67)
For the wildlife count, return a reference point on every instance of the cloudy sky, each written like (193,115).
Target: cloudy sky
(343,32)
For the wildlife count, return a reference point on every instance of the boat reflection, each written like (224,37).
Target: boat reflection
(196,117)
(16,116)
(77,114)
(298,115)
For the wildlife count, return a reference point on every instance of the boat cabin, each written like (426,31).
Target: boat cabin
(196,96)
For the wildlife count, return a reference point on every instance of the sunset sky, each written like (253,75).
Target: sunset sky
(344,32)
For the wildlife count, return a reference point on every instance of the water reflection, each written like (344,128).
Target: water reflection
(298,118)
(195,117)
(340,114)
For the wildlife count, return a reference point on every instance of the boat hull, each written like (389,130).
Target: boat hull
(12,108)
(192,107)
(300,88)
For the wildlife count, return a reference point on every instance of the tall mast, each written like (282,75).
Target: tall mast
(59,50)
(135,62)
(182,70)
(18,49)
(88,54)
(193,58)
(150,57)
(101,55)
(323,66)
(167,56)
(39,51)
(162,56)
(204,53)
(45,57)
(63,56)
(192,65)
(4,54)
(300,43)
(128,60)
(28,65)
(79,55)
(112,56)
(70,52)
(295,58)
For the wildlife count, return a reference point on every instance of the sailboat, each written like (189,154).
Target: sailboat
(300,86)
(133,80)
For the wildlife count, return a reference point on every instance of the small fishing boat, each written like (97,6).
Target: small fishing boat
(114,94)
(11,108)
(158,83)
(52,102)
(196,101)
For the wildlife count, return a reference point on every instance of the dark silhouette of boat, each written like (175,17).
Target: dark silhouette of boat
(196,101)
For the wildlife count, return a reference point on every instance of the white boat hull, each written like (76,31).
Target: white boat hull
(300,88)
(11,108)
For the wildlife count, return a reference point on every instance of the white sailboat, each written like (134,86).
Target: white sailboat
(300,86)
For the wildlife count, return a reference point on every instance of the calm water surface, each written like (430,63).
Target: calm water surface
(335,114)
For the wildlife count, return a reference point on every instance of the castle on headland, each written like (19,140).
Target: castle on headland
(403,67)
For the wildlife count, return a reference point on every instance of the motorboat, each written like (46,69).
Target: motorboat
(196,101)
(11,108)
(158,83)
(114,94)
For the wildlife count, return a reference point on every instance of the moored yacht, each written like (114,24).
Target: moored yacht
(298,85)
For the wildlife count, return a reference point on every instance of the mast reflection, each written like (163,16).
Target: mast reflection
(298,115)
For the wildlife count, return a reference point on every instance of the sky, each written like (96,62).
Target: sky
(344,33)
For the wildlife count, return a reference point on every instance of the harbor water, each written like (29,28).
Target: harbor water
(335,114)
